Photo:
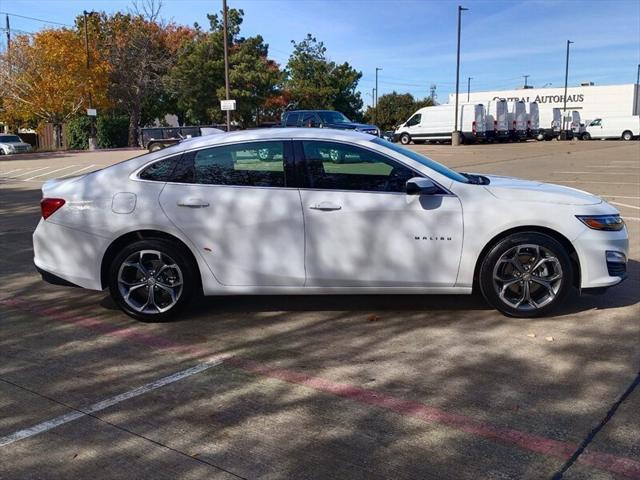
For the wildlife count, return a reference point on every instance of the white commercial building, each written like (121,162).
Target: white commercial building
(590,101)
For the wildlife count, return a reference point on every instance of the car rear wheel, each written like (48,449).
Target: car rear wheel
(526,275)
(405,139)
(151,280)
(627,135)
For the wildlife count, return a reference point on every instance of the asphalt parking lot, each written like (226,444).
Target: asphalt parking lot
(344,387)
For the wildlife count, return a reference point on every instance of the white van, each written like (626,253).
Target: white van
(517,120)
(550,123)
(625,128)
(497,121)
(437,123)
(533,119)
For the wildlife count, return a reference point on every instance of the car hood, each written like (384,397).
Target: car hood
(352,126)
(514,189)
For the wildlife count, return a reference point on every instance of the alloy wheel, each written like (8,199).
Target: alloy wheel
(150,281)
(527,277)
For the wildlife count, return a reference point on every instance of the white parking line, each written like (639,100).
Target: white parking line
(604,183)
(78,171)
(11,171)
(49,173)
(31,171)
(601,173)
(96,407)
(625,205)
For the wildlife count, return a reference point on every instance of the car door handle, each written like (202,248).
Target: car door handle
(325,206)
(193,203)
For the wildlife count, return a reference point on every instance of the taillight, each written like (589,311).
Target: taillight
(48,206)
(529,123)
(473,127)
(495,125)
(514,124)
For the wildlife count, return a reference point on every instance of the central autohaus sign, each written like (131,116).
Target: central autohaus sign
(577,98)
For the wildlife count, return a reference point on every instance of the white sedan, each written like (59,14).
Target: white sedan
(319,211)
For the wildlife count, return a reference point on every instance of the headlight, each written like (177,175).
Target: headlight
(611,223)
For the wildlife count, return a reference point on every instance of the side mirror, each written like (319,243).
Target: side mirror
(421,186)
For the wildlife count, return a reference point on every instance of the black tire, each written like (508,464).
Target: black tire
(514,289)
(586,136)
(405,139)
(627,135)
(170,252)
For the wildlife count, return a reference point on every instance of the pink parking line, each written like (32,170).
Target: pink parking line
(506,436)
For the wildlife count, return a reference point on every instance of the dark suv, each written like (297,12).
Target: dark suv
(325,119)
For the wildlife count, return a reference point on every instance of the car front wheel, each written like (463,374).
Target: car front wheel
(526,275)
(151,280)
(405,139)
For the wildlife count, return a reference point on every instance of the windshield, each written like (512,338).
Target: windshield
(10,138)
(333,117)
(427,162)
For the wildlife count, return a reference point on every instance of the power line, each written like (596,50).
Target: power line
(14,30)
(36,19)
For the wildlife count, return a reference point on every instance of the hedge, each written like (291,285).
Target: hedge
(111,131)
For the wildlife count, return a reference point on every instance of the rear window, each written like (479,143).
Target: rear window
(161,170)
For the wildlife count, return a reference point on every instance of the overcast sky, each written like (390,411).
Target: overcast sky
(414,41)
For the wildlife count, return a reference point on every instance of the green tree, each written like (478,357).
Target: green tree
(395,108)
(197,80)
(315,82)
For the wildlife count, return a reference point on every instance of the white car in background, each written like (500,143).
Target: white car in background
(10,143)
(320,211)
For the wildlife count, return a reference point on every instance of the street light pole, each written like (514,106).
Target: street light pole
(226,60)
(455,136)
(375,111)
(92,133)
(526,77)
(638,75)
(469,87)
(566,82)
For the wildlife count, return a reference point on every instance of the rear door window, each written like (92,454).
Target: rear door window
(256,164)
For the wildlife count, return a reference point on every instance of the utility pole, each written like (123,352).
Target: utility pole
(375,111)
(9,35)
(226,60)
(455,136)
(469,87)
(433,93)
(526,77)
(637,75)
(92,133)
(566,82)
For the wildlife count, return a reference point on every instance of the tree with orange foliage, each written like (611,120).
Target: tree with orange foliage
(45,79)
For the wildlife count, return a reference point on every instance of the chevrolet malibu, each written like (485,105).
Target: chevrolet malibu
(320,211)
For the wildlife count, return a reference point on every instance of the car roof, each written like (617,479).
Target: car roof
(272,134)
(310,110)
